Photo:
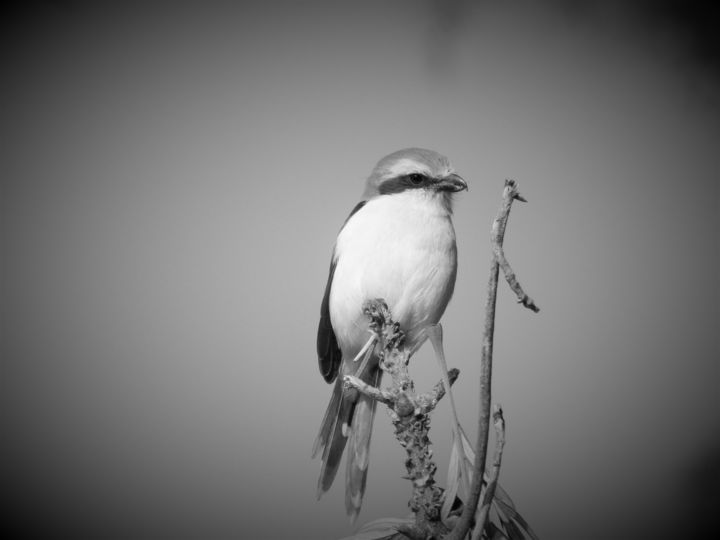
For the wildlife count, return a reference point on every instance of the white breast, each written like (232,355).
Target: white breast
(398,247)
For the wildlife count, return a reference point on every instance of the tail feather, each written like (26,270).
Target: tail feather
(348,417)
(359,450)
(333,434)
(328,420)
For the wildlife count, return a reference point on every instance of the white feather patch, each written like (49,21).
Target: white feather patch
(398,247)
(407,166)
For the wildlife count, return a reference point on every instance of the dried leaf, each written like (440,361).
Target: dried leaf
(380,528)
(502,496)
(495,533)
(468,456)
(513,525)
(453,481)
(467,446)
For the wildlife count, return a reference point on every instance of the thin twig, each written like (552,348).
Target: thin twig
(439,390)
(489,495)
(499,253)
(462,526)
(523,298)
(350,381)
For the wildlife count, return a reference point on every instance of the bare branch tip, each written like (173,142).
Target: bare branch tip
(529,303)
(498,418)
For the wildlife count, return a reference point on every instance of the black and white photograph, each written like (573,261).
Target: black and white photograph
(360,270)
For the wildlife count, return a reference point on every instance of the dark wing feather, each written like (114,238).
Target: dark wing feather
(328,351)
(329,355)
(358,206)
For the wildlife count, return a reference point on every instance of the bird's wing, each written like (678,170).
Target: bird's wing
(329,355)
(328,351)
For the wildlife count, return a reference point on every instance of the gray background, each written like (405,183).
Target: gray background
(173,178)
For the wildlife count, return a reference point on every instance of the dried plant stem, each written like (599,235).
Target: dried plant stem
(410,413)
(462,526)
(484,510)
(498,238)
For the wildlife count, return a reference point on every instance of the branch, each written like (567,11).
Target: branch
(492,482)
(350,381)
(438,390)
(510,193)
(411,419)
(498,235)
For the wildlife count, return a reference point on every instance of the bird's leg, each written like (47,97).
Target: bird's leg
(435,334)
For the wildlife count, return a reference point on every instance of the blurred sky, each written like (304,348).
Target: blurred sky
(173,178)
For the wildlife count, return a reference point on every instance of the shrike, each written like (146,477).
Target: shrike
(398,244)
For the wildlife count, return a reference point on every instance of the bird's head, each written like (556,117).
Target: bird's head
(414,169)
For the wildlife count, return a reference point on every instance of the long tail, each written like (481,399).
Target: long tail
(349,417)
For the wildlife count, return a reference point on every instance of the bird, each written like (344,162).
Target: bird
(398,244)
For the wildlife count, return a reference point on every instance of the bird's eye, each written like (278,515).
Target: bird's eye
(416,179)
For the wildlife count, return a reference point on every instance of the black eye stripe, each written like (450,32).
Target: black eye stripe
(403,183)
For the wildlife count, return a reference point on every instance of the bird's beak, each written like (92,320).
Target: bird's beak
(452,182)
